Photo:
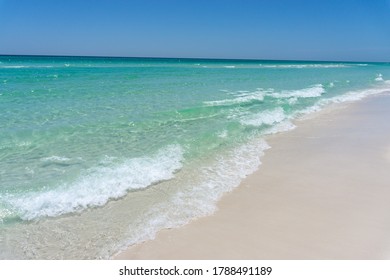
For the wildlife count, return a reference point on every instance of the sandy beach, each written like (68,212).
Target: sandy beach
(321,192)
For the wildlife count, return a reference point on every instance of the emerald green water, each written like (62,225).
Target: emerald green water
(107,151)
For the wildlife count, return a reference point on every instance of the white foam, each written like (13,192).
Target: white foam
(283,126)
(55,158)
(100,185)
(29,170)
(226,173)
(301,66)
(13,66)
(23,144)
(24,66)
(353,95)
(196,118)
(222,134)
(199,198)
(229,66)
(242,97)
(15,144)
(4,213)
(379,78)
(267,117)
(292,100)
(347,97)
(313,91)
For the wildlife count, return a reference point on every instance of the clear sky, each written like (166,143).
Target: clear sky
(357,30)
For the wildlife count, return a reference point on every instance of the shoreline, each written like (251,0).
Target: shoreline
(320,193)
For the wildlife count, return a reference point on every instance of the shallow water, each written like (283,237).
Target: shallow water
(100,153)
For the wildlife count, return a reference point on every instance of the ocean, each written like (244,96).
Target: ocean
(97,153)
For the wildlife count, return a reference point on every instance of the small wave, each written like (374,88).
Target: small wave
(230,66)
(13,66)
(347,97)
(314,91)
(24,66)
(301,66)
(379,78)
(267,117)
(353,96)
(195,118)
(23,144)
(15,144)
(56,158)
(242,97)
(100,185)
(222,134)
(283,126)
(199,198)
(5,214)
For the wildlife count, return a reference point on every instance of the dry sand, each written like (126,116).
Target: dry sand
(322,192)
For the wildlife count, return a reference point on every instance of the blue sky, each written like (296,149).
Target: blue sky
(356,30)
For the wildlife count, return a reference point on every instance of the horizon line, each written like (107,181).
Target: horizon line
(192,58)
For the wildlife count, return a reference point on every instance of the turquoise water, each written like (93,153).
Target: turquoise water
(100,153)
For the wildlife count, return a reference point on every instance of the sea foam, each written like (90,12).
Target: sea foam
(353,95)
(241,97)
(349,96)
(100,185)
(313,91)
(267,117)
(55,158)
(197,199)
(301,66)
(379,78)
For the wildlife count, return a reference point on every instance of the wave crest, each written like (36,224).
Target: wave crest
(267,117)
(241,97)
(314,91)
(100,185)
